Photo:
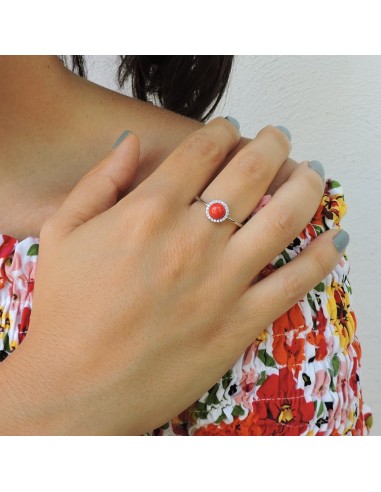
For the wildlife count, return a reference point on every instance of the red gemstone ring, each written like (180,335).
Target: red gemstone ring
(217,211)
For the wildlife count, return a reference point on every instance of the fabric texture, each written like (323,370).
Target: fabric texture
(301,376)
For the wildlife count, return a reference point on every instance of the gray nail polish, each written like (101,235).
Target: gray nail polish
(318,167)
(233,121)
(285,131)
(341,241)
(120,139)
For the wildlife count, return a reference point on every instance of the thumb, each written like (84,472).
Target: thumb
(99,188)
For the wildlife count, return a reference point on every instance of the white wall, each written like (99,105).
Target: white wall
(332,106)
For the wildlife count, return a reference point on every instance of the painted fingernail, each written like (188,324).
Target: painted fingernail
(285,131)
(318,167)
(341,241)
(233,121)
(120,139)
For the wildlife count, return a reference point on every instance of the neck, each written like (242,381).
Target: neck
(23,71)
(55,126)
(45,110)
(29,83)
(36,101)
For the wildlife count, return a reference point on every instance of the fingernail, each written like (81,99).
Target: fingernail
(318,167)
(285,131)
(233,121)
(120,139)
(341,241)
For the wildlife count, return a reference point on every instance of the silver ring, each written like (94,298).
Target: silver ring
(217,211)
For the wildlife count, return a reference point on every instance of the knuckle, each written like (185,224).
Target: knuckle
(283,222)
(314,181)
(254,164)
(203,145)
(103,182)
(293,287)
(145,216)
(153,209)
(48,229)
(176,260)
(269,129)
(278,136)
(322,264)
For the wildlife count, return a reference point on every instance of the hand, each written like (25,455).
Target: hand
(142,304)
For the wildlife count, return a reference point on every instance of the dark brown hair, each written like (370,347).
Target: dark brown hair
(190,85)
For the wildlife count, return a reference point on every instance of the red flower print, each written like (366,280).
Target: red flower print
(353,380)
(246,427)
(316,337)
(8,246)
(292,320)
(265,272)
(24,324)
(320,343)
(281,407)
(289,349)
(308,231)
(291,354)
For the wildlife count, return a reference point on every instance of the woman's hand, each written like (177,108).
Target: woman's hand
(142,304)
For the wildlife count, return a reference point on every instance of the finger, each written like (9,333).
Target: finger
(244,181)
(98,189)
(268,299)
(187,170)
(277,224)
(283,175)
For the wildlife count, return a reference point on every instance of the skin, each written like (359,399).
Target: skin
(55,126)
(128,339)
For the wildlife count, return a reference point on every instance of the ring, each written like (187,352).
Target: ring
(217,211)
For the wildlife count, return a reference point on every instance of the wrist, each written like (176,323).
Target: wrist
(26,407)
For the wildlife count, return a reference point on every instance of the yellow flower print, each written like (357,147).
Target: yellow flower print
(340,314)
(333,208)
(5,320)
(262,337)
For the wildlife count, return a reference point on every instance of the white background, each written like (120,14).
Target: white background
(332,106)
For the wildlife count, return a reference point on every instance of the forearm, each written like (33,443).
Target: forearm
(18,392)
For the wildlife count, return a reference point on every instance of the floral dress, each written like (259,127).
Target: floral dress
(301,376)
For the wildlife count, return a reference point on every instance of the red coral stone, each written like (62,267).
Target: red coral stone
(217,211)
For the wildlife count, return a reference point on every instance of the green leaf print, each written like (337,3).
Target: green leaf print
(238,411)
(220,418)
(262,379)
(279,263)
(266,358)
(201,410)
(335,364)
(321,409)
(286,256)
(335,184)
(331,384)
(320,287)
(212,396)
(311,302)
(7,348)
(33,250)
(369,421)
(227,379)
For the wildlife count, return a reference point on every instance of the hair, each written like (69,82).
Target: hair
(188,84)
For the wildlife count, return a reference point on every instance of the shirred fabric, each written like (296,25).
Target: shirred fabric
(301,376)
